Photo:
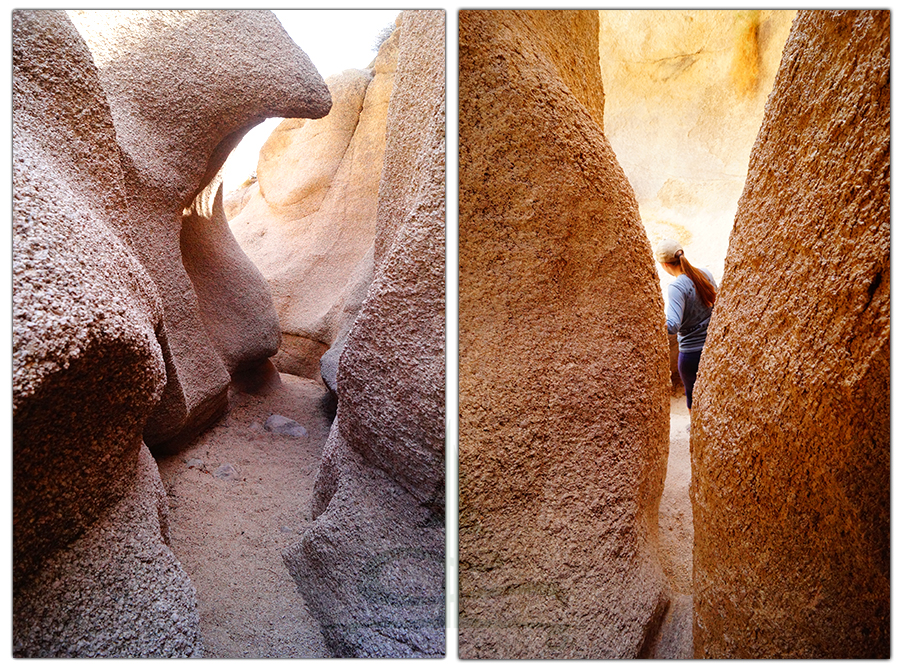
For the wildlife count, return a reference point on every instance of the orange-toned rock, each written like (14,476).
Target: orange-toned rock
(791,434)
(686,90)
(563,381)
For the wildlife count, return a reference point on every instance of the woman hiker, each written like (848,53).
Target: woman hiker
(691,298)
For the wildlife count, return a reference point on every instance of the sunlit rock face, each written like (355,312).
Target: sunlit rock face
(685,94)
(117,128)
(791,428)
(92,573)
(371,567)
(310,224)
(563,381)
(183,88)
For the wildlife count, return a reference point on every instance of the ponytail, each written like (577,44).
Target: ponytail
(705,289)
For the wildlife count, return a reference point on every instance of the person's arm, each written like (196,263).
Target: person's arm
(674,309)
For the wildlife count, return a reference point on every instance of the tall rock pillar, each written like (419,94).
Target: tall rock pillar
(791,432)
(563,369)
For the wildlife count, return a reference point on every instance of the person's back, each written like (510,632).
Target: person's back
(691,298)
(689,315)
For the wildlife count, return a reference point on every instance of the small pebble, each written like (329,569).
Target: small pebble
(227,472)
(278,424)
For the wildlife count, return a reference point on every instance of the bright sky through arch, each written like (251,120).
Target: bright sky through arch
(335,40)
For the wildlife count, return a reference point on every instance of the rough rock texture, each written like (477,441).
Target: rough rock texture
(116,591)
(372,567)
(87,371)
(791,475)
(563,378)
(310,224)
(184,87)
(685,94)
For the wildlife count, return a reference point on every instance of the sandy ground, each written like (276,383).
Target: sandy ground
(238,496)
(676,522)
(676,539)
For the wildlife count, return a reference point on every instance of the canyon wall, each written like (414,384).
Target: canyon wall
(309,221)
(685,95)
(109,345)
(791,427)
(184,87)
(371,567)
(563,376)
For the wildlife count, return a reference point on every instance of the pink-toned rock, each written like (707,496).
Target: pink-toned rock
(791,429)
(563,378)
(184,87)
(234,299)
(371,567)
(89,554)
(310,224)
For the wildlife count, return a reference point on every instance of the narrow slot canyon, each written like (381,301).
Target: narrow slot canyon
(598,518)
(210,459)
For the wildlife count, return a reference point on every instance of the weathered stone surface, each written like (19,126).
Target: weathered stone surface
(310,225)
(105,162)
(563,378)
(234,299)
(116,591)
(371,566)
(184,87)
(685,95)
(279,424)
(791,436)
(87,371)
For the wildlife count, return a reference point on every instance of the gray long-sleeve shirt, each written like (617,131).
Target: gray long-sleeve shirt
(686,315)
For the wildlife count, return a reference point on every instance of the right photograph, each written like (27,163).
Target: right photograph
(674,334)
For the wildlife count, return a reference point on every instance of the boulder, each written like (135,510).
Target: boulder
(371,566)
(87,372)
(309,225)
(105,162)
(563,367)
(117,590)
(183,88)
(791,434)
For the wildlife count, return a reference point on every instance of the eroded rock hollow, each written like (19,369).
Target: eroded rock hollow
(111,341)
(563,378)
(791,432)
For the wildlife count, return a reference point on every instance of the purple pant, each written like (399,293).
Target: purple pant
(688,363)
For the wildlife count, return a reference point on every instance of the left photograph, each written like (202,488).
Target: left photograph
(228,334)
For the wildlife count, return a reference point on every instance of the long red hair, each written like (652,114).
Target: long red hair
(705,289)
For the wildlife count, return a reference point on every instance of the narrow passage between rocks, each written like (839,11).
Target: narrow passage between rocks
(238,495)
(676,539)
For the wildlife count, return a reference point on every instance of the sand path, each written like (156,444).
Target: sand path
(238,495)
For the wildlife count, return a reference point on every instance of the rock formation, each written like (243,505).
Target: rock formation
(371,568)
(87,372)
(791,433)
(685,97)
(184,87)
(309,222)
(110,332)
(563,382)
(685,94)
